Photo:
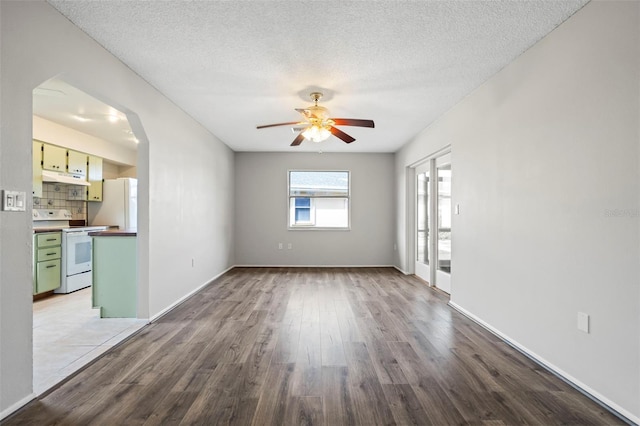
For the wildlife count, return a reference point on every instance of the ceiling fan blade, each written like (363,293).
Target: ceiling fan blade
(298,140)
(340,134)
(353,122)
(278,124)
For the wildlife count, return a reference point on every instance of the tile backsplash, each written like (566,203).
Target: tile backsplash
(63,196)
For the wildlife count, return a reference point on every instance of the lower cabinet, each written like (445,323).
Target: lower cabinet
(115,274)
(46,262)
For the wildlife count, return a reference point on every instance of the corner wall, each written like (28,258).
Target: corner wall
(183,171)
(546,172)
(262,211)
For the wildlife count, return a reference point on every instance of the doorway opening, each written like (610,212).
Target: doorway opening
(79,144)
(433,221)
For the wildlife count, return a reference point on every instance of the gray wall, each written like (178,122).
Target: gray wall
(542,154)
(183,171)
(262,205)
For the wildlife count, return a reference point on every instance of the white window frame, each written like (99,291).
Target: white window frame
(311,226)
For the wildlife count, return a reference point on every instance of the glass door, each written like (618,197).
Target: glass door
(423,221)
(443,272)
(433,222)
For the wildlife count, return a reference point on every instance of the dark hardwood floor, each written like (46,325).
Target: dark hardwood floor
(303,346)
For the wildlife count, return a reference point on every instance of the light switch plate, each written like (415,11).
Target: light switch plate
(14,201)
(583,322)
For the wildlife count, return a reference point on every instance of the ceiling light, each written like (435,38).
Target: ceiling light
(316,133)
(81,118)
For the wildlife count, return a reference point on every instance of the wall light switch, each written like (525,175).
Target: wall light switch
(289,246)
(14,201)
(456,210)
(279,246)
(583,322)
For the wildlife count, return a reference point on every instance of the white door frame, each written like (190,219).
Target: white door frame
(430,272)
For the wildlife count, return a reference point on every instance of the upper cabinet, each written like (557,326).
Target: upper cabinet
(94,193)
(37,169)
(77,163)
(54,158)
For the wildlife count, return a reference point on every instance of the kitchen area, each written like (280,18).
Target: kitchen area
(84,231)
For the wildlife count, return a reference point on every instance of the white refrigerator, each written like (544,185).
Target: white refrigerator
(119,204)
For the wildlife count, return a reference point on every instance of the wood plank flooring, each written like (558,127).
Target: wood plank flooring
(313,346)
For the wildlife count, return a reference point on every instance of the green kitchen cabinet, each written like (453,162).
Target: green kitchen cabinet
(46,261)
(115,276)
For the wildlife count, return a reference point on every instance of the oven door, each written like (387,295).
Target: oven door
(78,252)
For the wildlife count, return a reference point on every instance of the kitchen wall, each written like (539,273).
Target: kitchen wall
(114,171)
(118,161)
(61,196)
(56,134)
(262,206)
(182,169)
(546,172)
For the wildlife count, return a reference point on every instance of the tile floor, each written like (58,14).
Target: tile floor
(68,334)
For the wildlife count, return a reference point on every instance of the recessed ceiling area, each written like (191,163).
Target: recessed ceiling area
(235,65)
(60,102)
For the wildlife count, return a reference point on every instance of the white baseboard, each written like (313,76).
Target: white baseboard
(188,295)
(401,270)
(564,375)
(15,407)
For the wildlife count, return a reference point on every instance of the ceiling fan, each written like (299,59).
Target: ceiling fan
(317,124)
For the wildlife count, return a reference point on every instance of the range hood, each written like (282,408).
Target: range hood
(49,176)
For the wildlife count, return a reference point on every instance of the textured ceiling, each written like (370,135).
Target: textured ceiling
(233,65)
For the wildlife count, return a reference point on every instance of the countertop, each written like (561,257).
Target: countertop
(42,230)
(115,233)
(59,229)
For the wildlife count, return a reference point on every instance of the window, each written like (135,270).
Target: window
(319,199)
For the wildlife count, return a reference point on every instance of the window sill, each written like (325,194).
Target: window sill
(315,228)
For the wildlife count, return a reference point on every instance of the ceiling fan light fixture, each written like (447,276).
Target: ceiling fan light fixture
(316,133)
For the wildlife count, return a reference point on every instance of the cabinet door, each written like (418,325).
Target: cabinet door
(47,275)
(54,158)
(77,163)
(94,192)
(51,253)
(37,169)
(48,239)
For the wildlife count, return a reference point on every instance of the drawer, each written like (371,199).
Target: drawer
(48,239)
(47,275)
(50,253)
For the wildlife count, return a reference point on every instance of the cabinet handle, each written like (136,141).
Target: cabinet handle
(51,239)
(51,266)
(51,254)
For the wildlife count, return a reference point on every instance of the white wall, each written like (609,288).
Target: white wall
(262,203)
(56,134)
(542,154)
(183,171)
